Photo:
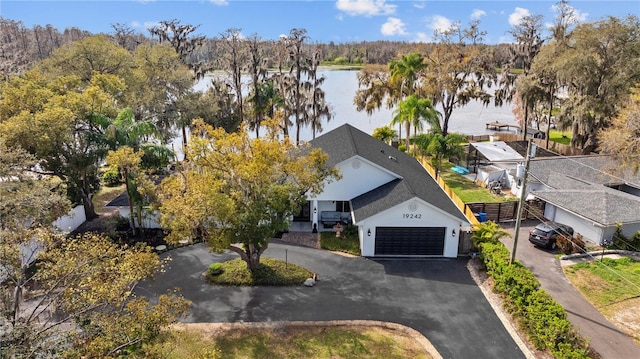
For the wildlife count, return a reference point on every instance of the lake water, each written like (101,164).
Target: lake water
(340,87)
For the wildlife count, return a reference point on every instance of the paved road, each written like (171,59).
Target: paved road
(603,336)
(436,297)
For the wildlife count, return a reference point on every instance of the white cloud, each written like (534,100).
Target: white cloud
(477,14)
(577,16)
(393,26)
(517,15)
(419,5)
(422,37)
(145,26)
(439,23)
(365,7)
(219,2)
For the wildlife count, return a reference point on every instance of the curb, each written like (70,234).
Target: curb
(496,303)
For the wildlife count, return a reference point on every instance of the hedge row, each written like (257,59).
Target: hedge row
(536,312)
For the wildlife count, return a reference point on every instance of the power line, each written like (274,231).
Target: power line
(587,166)
(584,251)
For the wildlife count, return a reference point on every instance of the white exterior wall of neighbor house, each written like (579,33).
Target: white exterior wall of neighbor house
(628,230)
(591,231)
(72,220)
(149,219)
(431,216)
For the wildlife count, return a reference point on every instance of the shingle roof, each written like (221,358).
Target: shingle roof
(591,169)
(579,184)
(121,201)
(604,205)
(414,181)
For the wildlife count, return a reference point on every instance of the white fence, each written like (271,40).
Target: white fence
(72,220)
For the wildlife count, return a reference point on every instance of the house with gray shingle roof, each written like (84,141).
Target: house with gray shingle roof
(584,193)
(398,208)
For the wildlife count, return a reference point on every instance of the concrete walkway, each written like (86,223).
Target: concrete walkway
(604,337)
(436,297)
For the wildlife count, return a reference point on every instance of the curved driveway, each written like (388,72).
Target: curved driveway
(604,337)
(436,297)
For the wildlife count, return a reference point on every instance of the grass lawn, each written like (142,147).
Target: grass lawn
(468,191)
(613,287)
(345,244)
(105,195)
(271,272)
(288,342)
(562,137)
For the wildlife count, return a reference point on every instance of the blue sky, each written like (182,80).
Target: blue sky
(325,20)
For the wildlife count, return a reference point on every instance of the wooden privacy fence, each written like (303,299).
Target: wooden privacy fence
(564,150)
(507,211)
(461,205)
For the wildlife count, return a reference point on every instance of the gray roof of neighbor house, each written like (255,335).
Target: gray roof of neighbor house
(591,169)
(579,184)
(603,205)
(121,201)
(414,181)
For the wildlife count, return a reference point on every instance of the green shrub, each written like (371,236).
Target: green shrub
(111,178)
(215,268)
(570,245)
(487,232)
(272,272)
(536,312)
(346,244)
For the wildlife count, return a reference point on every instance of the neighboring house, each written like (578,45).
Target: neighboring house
(150,219)
(580,191)
(492,161)
(398,208)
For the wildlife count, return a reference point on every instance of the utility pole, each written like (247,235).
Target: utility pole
(531,147)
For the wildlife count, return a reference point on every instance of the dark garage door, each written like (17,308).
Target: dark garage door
(409,241)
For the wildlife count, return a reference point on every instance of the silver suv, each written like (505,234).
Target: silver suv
(544,234)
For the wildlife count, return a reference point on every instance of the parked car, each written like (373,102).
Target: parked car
(545,234)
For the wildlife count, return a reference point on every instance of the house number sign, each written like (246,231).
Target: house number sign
(411,215)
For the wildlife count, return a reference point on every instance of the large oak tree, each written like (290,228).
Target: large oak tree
(237,192)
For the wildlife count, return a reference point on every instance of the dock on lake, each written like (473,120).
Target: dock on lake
(499,126)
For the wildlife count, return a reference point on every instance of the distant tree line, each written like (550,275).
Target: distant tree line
(21,47)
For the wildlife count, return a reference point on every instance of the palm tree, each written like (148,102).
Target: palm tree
(404,74)
(440,147)
(487,232)
(412,111)
(265,102)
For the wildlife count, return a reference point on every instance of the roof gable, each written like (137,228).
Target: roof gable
(413,180)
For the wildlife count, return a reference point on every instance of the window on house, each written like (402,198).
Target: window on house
(343,206)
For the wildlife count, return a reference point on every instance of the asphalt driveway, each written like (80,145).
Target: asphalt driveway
(436,297)
(603,336)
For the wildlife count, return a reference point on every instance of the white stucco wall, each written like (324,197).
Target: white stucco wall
(628,230)
(72,220)
(149,219)
(358,176)
(590,230)
(424,215)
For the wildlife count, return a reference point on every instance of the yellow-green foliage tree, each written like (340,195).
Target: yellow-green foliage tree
(622,138)
(237,192)
(128,163)
(62,123)
(67,297)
